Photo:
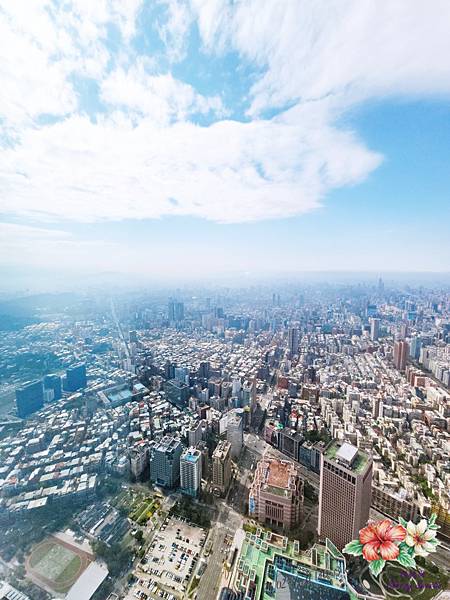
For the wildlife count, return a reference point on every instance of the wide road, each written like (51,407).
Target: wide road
(119,329)
(226,525)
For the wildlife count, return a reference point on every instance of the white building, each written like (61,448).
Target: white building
(235,433)
(191,471)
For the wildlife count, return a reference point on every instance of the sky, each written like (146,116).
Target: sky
(175,139)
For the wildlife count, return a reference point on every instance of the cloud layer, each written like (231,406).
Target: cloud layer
(151,144)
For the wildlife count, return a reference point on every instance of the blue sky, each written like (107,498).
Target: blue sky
(170,137)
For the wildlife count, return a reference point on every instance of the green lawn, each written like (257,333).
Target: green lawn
(145,510)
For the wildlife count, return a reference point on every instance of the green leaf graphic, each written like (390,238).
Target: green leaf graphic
(406,560)
(354,547)
(376,566)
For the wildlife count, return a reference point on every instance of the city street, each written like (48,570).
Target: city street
(227,523)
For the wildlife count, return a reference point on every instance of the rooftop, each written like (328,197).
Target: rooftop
(348,455)
(278,474)
(266,554)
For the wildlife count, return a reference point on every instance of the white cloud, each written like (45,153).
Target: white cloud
(228,172)
(352,49)
(145,159)
(31,83)
(160,97)
(175,28)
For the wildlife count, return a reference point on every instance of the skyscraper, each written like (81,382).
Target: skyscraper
(221,467)
(29,398)
(374,329)
(416,345)
(165,462)
(53,382)
(175,311)
(191,471)
(345,492)
(401,351)
(235,433)
(76,378)
(293,340)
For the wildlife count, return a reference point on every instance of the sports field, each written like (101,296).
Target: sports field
(56,565)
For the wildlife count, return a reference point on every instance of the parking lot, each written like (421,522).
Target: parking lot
(171,560)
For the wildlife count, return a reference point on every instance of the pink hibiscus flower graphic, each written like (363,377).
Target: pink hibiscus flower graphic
(379,540)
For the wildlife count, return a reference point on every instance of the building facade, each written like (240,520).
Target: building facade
(29,398)
(191,472)
(401,352)
(276,494)
(165,462)
(139,460)
(76,378)
(235,433)
(345,492)
(177,392)
(221,471)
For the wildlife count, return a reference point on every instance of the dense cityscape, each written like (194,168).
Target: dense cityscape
(221,442)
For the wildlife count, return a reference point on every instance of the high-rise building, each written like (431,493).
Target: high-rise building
(290,442)
(139,460)
(177,392)
(76,378)
(236,386)
(181,374)
(221,467)
(191,471)
(248,393)
(165,462)
(374,329)
(293,340)
(235,433)
(29,398)
(276,494)
(203,370)
(176,311)
(401,351)
(415,346)
(195,433)
(345,492)
(53,382)
(371,310)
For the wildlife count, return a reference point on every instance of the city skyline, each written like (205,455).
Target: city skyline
(154,139)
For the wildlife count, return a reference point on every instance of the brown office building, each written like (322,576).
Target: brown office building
(345,492)
(221,460)
(276,494)
(401,351)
